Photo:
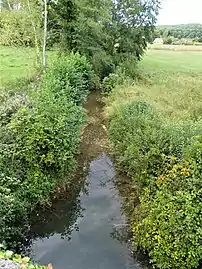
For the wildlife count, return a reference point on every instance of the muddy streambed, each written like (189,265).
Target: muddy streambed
(81,232)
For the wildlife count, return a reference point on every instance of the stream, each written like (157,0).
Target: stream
(87,230)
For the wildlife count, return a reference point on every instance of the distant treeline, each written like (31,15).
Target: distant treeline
(189,31)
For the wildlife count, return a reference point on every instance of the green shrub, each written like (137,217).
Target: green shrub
(133,131)
(128,66)
(144,144)
(102,64)
(9,105)
(165,162)
(126,71)
(71,75)
(169,228)
(38,146)
(110,82)
(46,135)
(13,212)
(16,28)
(115,79)
(22,262)
(39,137)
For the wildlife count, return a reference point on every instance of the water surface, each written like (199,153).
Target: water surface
(81,232)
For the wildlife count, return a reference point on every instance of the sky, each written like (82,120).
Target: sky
(180,12)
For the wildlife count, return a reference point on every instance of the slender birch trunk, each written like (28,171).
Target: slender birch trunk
(9,6)
(35,35)
(45,35)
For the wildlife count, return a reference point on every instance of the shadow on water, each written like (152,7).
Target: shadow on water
(86,230)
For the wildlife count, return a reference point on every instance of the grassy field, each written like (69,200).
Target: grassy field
(16,63)
(173,61)
(176,47)
(171,80)
(155,127)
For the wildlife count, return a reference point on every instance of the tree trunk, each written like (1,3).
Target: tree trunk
(35,35)
(9,6)
(45,35)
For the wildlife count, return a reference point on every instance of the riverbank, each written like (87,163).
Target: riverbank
(9,260)
(40,134)
(90,224)
(7,264)
(155,127)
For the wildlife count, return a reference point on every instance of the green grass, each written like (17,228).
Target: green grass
(173,61)
(160,150)
(172,82)
(17,62)
(176,47)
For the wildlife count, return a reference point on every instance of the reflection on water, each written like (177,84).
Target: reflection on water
(86,230)
(79,234)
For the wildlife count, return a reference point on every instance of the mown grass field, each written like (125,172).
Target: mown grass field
(176,47)
(17,62)
(171,81)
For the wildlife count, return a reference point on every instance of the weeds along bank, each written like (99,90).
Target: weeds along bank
(13,261)
(39,137)
(155,129)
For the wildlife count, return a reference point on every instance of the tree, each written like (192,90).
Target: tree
(16,28)
(90,26)
(103,30)
(45,34)
(191,31)
(132,25)
(81,23)
(33,8)
(61,23)
(25,22)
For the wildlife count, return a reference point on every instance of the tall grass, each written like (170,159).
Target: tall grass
(155,129)
(171,81)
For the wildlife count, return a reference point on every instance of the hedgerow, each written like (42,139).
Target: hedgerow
(39,138)
(164,160)
(72,76)
(170,224)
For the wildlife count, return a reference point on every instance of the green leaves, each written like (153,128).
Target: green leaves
(46,136)
(171,229)
(23,262)
(164,160)
(132,25)
(39,141)
(72,76)
(106,31)
(16,28)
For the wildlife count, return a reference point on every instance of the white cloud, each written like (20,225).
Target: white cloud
(180,12)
